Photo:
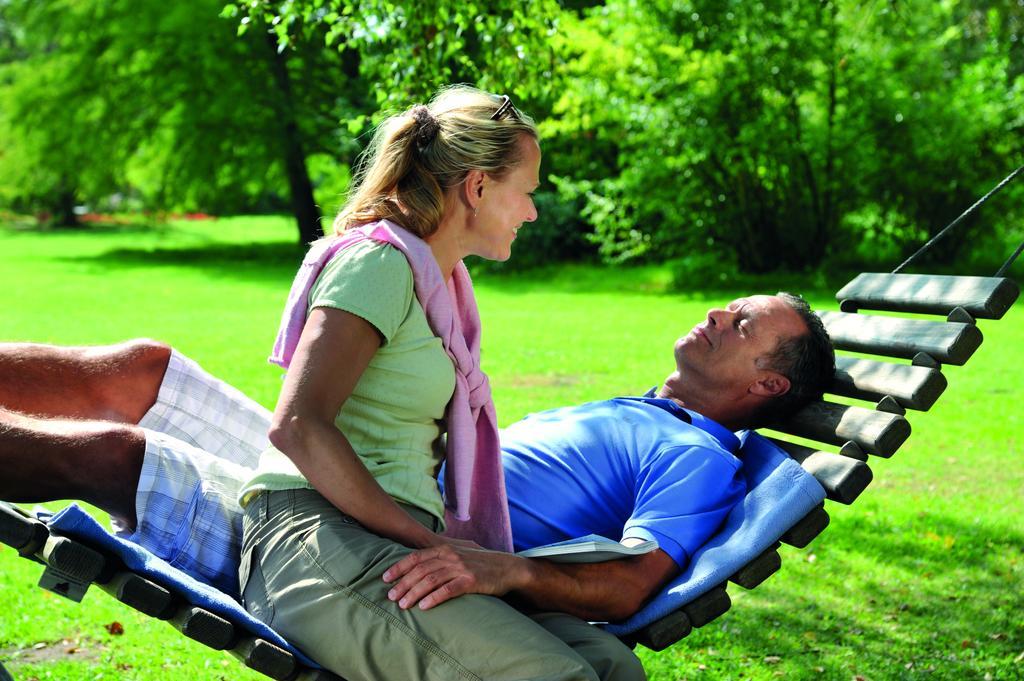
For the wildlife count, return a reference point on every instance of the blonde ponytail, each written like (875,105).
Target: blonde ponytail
(415,157)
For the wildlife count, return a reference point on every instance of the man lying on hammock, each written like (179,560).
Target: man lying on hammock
(143,433)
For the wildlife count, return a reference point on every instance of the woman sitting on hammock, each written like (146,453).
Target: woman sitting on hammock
(381,341)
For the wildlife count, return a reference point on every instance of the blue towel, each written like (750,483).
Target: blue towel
(779,493)
(75,523)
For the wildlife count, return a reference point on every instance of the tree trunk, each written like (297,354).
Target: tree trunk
(307,215)
(64,207)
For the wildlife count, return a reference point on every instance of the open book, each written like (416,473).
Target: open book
(592,548)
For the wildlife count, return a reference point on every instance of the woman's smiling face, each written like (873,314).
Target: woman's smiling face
(505,204)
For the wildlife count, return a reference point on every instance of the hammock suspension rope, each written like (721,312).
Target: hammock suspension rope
(977,204)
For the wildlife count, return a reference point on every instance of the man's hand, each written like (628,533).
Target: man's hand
(609,591)
(434,575)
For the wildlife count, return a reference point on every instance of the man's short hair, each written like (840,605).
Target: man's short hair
(807,360)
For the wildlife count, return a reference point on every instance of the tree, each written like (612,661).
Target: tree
(409,49)
(173,107)
(166,104)
(772,133)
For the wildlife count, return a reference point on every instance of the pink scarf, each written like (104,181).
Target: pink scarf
(475,503)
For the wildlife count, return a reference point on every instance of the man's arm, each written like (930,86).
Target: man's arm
(608,591)
(605,592)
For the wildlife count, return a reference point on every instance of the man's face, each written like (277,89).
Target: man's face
(722,352)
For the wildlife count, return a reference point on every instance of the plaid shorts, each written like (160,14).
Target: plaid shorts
(207,413)
(203,441)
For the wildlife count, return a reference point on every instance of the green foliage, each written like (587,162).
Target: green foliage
(783,132)
(409,49)
(202,106)
(556,236)
(163,107)
(330,181)
(766,135)
(703,270)
(109,95)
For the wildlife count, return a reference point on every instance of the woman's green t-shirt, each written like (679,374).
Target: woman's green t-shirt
(393,418)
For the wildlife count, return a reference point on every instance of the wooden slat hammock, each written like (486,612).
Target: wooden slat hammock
(850,434)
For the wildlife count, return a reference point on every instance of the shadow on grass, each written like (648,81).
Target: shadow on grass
(272,261)
(86,229)
(657,280)
(276,260)
(882,600)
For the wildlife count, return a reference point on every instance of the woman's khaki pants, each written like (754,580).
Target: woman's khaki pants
(314,575)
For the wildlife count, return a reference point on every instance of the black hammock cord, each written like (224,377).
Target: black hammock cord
(977,204)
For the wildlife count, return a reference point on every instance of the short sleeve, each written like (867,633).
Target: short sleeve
(370,279)
(683,496)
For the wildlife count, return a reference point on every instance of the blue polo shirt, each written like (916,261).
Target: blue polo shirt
(627,467)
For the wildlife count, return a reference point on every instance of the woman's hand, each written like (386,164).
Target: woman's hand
(434,575)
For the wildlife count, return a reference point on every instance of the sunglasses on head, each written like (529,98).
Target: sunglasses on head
(506,107)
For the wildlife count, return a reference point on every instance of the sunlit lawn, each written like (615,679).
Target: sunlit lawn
(922,576)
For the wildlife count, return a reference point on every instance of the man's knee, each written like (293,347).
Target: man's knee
(47,459)
(113,448)
(126,377)
(610,658)
(613,660)
(624,665)
(138,356)
(116,382)
(115,454)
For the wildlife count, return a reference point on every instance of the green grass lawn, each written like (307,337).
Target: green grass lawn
(921,577)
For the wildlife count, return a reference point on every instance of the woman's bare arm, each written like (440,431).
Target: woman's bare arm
(333,352)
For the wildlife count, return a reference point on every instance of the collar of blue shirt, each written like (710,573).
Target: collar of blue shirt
(726,437)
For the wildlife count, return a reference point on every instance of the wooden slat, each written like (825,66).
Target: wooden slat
(912,387)
(807,528)
(948,342)
(708,606)
(982,297)
(266,658)
(74,559)
(676,625)
(875,432)
(143,595)
(759,569)
(23,534)
(659,635)
(26,534)
(206,627)
(842,477)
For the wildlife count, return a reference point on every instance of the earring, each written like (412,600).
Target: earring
(476,211)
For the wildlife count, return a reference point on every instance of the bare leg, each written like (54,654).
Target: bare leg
(48,459)
(110,382)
